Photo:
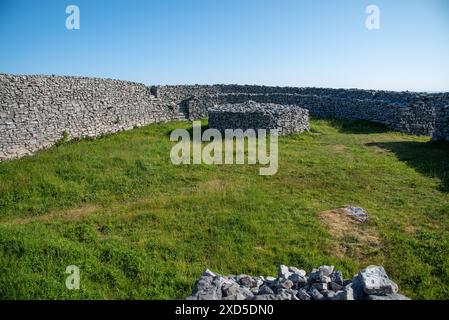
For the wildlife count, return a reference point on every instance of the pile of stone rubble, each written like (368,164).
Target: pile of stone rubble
(324,283)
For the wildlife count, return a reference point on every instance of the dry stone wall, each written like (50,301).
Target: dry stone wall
(255,116)
(36,111)
(442,123)
(408,112)
(415,116)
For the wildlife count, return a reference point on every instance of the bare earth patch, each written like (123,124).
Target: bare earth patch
(259,248)
(340,148)
(409,227)
(68,215)
(212,185)
(354,238)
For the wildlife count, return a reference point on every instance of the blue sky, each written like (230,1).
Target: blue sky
(320,43)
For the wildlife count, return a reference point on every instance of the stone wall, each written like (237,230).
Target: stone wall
(410,113)
(184,92)
(442,123)
(406,106)
(36,111)
(253,115)
(441,103)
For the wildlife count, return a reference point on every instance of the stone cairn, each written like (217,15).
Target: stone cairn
(288,119)
(324,283)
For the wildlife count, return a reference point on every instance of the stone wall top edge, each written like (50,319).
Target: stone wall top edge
(222,85)
(68,77)
(167,86)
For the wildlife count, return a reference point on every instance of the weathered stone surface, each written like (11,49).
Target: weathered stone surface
(283,272)
(247,281)
(298,280)
(303,295)
(321,275)
(255,116)
(38,111)
(285,284)
(357,288)
(337,277)
(206,289)
(357,213)
(297,271)
(392,296)
(348,293)
(320,286)
(266,297)
(315,294)
(442,121)
(265,289)
(371,283)
(335,286)
(375,281)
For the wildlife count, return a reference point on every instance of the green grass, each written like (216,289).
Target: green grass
(141,228)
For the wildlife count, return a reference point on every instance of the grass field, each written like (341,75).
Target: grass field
(141,228)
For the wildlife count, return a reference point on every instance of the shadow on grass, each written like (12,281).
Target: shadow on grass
(429,158)
(358,126)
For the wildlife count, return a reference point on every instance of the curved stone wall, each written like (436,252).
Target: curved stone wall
(413,115)
(37,111)
(408,112)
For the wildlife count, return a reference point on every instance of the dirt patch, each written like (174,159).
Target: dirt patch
(68,215)
(354,239)
(340,148)
(409,227)
(212,185)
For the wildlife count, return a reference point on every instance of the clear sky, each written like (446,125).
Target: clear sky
(321,43)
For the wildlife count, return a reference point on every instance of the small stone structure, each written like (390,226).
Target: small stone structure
(323,283)
(253,115)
